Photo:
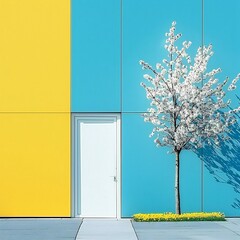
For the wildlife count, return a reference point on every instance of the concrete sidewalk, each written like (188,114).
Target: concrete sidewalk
(104,229)
(229,230)
(39,229)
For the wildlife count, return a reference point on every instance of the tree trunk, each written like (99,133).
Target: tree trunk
(177,183)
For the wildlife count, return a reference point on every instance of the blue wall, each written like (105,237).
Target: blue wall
(222,166)
(148,172)
(145,23)
(95,52)
(108,40)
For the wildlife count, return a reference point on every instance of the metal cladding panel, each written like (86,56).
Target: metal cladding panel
(35,108)
(95,58)
(148,172)
(35,165)
(35,56)
(222,167)
(145,23)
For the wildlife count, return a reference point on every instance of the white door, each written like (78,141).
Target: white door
(98,166)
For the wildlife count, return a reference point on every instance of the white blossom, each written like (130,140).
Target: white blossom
(187,100)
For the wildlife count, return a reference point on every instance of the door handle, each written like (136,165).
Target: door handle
(114,178)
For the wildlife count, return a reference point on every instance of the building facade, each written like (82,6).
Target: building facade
(73,142)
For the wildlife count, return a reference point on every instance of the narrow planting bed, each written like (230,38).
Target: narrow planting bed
(172,217)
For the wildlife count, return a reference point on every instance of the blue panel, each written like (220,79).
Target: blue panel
(221,28)
(145,23)
(191,182)
(95,56)
(148,172)
(222,177)
(222,166)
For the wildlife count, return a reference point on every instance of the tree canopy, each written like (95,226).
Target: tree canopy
(188,105)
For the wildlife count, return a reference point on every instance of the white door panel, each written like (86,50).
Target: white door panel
(98,164)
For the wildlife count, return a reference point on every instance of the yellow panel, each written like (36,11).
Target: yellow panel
(35,164)
(35,55)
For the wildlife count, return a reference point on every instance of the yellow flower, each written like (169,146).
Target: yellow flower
(199,216)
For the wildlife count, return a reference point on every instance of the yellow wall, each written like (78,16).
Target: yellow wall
(35,166)
(35,108)
(34,55)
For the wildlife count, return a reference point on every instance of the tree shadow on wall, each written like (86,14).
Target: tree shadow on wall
(223,162)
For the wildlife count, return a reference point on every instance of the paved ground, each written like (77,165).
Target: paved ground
(229,230)
(99,229)
(102,229)
(39,229)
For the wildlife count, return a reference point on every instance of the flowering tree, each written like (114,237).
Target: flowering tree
(187,102)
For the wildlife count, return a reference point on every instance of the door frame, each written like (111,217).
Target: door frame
(76,161)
